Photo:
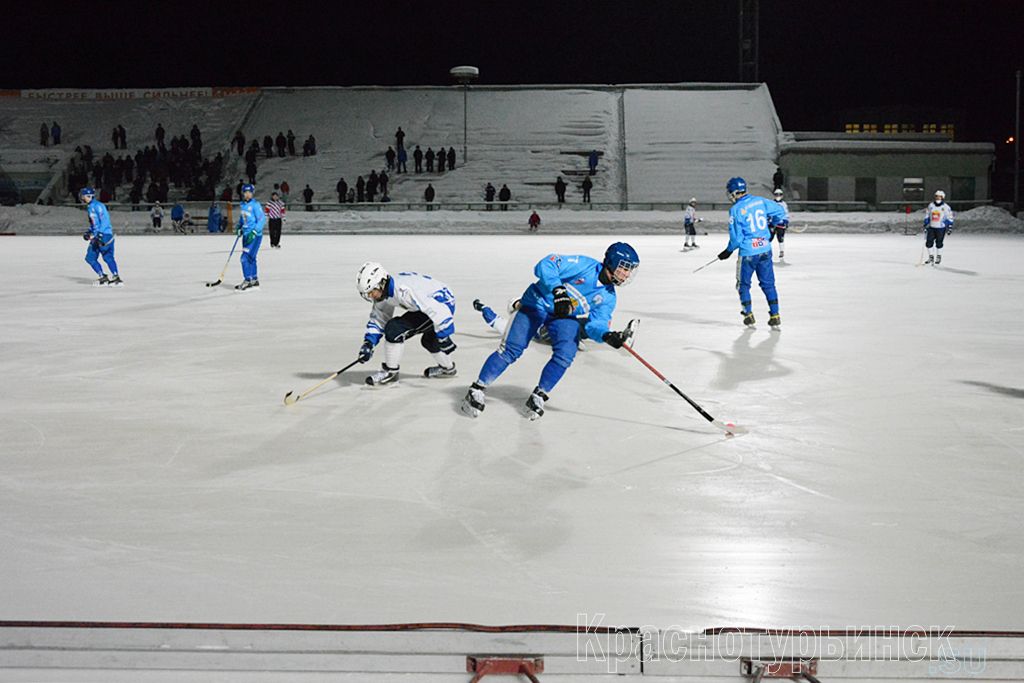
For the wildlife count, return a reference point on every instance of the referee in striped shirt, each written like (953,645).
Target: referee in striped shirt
(275,212)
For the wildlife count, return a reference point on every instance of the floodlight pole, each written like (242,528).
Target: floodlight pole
(464,75)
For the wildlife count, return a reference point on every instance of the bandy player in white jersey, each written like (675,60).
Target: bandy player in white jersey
(430,311)
(938,222)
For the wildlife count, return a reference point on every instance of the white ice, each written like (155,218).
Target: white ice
(151,472)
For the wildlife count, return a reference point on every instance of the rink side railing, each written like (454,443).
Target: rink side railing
(441,652)
(200,208)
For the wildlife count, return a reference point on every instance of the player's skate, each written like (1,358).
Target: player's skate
(247,285)
(116,281)
(938,259)
(439,371)
(474,402)
(748,318)
(782,254)
(774,321)
(103,280)
(385,375)
(535,404)
(930,261)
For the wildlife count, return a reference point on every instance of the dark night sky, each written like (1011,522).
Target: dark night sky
(816,57)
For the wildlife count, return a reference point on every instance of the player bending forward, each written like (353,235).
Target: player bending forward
(573,296)
(430,307)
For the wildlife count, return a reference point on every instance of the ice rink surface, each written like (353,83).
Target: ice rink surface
(150,472)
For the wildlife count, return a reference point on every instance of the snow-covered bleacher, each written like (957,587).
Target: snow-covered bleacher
(656,143)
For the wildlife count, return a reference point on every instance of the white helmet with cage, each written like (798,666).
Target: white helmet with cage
(371,276)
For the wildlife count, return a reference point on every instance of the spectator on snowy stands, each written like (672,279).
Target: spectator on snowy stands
(342,188)
(291,142)
(389,158)
(534,221)
(451,158)
(428,197)
(239,142)
(44,134)
(280,142)
(504,195)
(55,133)
(403,157)
(592,161)
(417,157)
(489,193)
(214,218)
(560,190)
(430,160)
(156,214)
(399,138)
(307,195)
(587,185)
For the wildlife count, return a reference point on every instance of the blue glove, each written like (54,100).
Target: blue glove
(563,302)
(365,352)
(446,345)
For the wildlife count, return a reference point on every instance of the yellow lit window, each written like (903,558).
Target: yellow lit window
(853,128)
(930,128)
(948,129)
(907,128)
(870,128)
(890,128)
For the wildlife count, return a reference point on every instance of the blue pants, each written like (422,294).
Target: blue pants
(934,236)
(762,265)
(522,329)
(249,258)
(95,251)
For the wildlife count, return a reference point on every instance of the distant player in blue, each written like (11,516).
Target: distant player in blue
(749,219)
(573,297)
(251,220)
(779,228)
(100,237)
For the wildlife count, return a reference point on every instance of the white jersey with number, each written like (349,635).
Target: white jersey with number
(414,292)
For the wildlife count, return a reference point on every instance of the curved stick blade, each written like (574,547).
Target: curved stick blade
(730,428)
(289,399)
(213,284)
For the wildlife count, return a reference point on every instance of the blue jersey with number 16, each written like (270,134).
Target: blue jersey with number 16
(749,219)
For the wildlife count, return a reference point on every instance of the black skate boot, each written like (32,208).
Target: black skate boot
(774,321)
(116,281)
(748,318)
(385,375)
(535,404)
(474,402)
(103,281)
(438,371)
(930,261)
(938,259)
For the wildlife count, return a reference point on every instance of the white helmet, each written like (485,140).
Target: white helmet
(371,276)
(940,194)
(693,201)
(778,192)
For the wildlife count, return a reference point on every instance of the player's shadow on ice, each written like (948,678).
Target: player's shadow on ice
(351,376)
(747,361)
(958,271)
(996,388)
(81,280)
(508,393)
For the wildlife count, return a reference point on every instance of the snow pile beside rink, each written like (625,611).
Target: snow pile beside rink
(988,219)
(42,220)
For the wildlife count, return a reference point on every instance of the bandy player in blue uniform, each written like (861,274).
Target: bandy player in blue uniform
(573,296)
(749,219)
(251,220)
(100,237)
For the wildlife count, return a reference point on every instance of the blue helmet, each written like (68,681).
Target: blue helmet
(621,260)
(87,192)
(736,187)
(248,187)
